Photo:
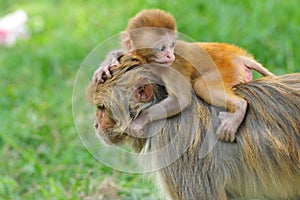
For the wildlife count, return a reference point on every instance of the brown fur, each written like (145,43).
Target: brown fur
(264,163)
(152,18)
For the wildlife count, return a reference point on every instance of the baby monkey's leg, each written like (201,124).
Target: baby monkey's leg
(214,93)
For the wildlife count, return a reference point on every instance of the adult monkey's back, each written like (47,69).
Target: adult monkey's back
(263,163)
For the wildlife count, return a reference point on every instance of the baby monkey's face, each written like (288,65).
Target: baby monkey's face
(160,46)
(163,50)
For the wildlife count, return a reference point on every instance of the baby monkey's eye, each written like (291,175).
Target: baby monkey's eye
(161,48)
(173,45)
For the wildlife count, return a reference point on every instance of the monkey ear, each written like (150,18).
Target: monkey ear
(143,93)
(126,41)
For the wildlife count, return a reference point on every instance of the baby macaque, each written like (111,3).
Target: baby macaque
(213,83)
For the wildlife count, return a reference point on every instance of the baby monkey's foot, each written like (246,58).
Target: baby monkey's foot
(228,127)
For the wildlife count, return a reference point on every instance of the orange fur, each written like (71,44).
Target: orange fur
(152,18)
(212,82)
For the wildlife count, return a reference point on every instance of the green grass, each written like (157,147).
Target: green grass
(41,156)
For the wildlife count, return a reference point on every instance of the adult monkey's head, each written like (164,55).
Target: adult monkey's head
(120,99)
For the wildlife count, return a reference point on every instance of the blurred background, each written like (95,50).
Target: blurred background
(41,155)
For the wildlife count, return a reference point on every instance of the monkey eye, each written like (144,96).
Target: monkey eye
(173,45)
(161,48)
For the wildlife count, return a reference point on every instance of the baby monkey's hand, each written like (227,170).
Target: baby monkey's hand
(104,68)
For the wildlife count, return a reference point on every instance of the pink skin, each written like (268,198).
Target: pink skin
(166,59)
(165,51)
(248,73)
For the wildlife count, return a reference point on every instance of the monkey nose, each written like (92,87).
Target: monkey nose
(171,56)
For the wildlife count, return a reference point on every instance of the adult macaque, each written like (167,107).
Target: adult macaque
(212,69)
(264,163)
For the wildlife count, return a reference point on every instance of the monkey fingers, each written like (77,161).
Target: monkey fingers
(227,129)
(103,72)
(97,77)
(135,130)
(99,73)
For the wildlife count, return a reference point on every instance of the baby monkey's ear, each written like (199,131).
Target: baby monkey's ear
(126,41)
(144,92)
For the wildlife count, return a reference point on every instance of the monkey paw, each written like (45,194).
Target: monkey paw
(135,130)
(228,127)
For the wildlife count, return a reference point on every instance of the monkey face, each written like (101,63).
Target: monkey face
(120,99)
(104,126)
(164,50)
(157,47)
(112,118)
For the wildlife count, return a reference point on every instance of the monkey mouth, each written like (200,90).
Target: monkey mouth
(167,64)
